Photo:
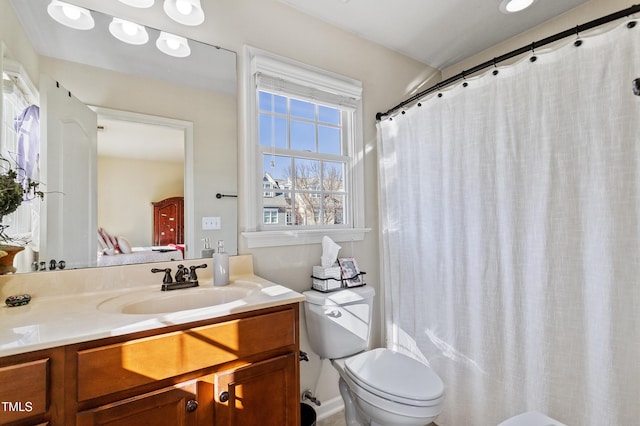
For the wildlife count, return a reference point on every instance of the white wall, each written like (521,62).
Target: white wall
(589,11)
(129,213)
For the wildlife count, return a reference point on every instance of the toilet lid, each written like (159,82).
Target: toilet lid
(392,375)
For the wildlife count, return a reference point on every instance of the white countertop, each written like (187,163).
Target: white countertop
(51,320)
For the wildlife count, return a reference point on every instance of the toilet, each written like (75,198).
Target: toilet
(379,387)
(531,418)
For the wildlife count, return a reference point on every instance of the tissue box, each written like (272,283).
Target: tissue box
(331,272)
(328,284)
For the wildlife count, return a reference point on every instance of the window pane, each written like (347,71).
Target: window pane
(307,175)
(329,140)
(272,103)
(333,175)
(333,209)
(328,115)
(303,109)
(303,136)
(308,208)
(273,131)
(278,169)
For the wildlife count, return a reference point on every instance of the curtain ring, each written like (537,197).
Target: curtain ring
(578,42)
(464,77)
(439,94)
(495,67)
(533,58)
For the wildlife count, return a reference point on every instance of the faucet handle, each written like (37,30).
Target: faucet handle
(167,275)
(180,274)
(192,270)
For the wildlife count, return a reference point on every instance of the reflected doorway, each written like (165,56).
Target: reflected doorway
(141,160)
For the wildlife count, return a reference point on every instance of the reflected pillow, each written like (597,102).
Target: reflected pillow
(124,245)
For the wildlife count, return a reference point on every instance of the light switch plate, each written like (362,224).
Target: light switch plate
(210,223)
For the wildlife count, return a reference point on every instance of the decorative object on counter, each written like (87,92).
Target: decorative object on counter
(15,188)
(351,275)
(221,266)
(19,300)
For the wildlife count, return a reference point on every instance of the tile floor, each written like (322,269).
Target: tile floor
(338,420)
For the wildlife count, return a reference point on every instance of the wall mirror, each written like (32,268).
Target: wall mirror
(128,88)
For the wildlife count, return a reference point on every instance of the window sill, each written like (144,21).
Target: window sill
(259,239)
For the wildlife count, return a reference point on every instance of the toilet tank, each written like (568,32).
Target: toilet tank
(339,322)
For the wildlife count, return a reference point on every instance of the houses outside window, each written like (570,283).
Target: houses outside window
(270,215)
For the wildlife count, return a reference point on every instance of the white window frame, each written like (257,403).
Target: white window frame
(255,62)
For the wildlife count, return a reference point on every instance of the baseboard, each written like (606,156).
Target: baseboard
(329,407)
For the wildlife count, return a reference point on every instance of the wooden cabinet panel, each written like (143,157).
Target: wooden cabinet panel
(264,393)
(114,368)
(168,221)
(179,405)
(24,390)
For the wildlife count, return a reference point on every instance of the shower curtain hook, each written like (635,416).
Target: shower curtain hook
(533,58)
(632,21)
(495,66)
(464,77)
(578,42)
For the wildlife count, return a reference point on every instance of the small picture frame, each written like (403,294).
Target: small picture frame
(351,276)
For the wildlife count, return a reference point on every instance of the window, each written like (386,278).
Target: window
(270,215)
(304,149)
(17,95)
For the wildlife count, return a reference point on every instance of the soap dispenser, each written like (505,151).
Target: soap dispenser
(206,251)
(220,266)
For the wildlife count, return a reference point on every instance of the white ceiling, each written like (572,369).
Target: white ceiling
(438,33)
(128,139)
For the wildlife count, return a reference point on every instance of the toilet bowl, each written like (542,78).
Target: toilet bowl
(389,388)
(379,387)
(531,418)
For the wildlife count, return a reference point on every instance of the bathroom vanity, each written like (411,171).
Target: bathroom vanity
(233,363)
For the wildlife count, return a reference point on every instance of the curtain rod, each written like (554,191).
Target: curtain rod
(524,49)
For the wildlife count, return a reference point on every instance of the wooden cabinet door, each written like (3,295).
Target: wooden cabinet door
(187,404)
(168,221)
(264,393)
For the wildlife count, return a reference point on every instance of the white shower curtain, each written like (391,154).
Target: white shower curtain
(510,216)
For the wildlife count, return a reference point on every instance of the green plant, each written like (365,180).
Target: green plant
(14,189)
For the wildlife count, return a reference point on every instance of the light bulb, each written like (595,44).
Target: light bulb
(173,44)
(518,5)
(71,12)
(129,28)
(184,6)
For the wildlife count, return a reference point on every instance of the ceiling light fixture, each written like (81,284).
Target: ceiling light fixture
(138,3)
(128,32)
(71,15)
(513,6)
(186,12)
(173,45)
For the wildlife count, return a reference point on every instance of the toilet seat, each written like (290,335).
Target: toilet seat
(395,377)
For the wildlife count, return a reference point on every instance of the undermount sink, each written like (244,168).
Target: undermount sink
(176,300)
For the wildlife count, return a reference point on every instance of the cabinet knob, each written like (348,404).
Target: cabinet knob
(224,396)
(192,405)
